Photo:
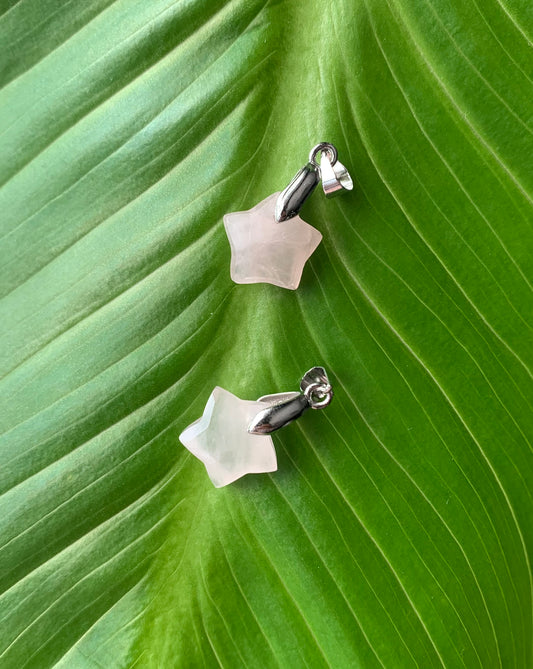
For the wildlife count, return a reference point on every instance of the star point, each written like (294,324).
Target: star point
(264,251)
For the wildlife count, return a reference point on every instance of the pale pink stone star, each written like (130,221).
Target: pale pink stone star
(220,439)
(264,251)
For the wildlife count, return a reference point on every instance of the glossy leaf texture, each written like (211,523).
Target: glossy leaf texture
(397,532)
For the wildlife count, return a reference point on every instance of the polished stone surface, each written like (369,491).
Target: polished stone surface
(221,441)
(264,251)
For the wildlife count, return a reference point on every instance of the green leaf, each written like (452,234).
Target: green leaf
(397,531)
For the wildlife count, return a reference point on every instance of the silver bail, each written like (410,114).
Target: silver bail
(283,408)
(290,201)
(335,177)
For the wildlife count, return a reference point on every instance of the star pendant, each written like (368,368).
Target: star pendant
(264,251)
(220,439)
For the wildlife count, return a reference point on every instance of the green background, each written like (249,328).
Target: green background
(398,530)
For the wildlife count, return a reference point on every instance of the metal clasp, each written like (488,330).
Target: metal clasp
(334,175)
(283,408)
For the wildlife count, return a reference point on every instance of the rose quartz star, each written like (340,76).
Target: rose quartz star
(220,439)
(264,251)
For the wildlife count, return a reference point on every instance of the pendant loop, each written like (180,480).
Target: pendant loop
(335,177)
(323,148)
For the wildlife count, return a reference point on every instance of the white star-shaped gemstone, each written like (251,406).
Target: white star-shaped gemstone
(220,439)
(264,251)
